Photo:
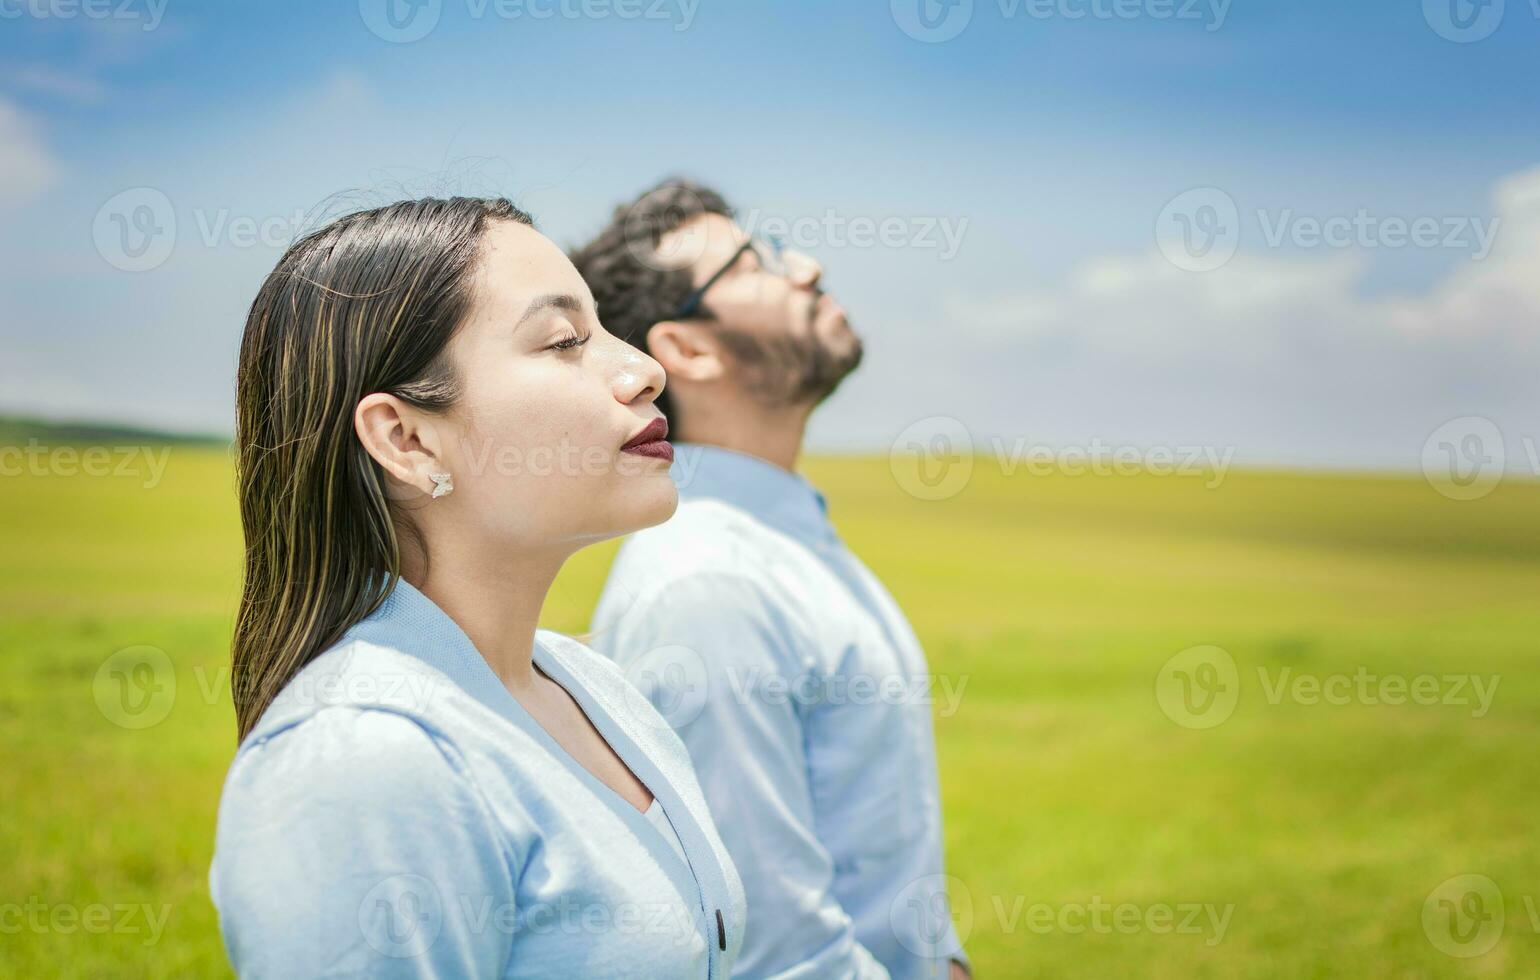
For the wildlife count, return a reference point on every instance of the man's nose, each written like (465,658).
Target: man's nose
(802,269)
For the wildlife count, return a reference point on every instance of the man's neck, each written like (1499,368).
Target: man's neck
(773,435)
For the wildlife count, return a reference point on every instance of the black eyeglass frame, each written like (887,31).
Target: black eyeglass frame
(692,302)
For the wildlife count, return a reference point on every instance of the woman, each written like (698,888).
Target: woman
(430,420)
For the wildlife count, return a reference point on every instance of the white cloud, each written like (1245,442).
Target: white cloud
(1284,355)
(1498,299)
(70,86)
(27,168)
(1140,305)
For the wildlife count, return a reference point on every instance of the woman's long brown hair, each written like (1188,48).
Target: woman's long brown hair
(368,303)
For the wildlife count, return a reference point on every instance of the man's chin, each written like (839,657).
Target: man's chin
(842,355)
(839,338)
(831,326)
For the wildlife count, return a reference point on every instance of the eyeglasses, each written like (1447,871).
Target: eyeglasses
(770,251)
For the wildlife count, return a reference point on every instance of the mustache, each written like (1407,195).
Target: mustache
(812,306)
(789,369)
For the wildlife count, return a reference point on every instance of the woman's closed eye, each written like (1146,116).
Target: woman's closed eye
(571,342)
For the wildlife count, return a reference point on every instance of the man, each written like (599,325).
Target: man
(784,665)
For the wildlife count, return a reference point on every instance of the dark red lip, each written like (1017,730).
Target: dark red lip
(651,441)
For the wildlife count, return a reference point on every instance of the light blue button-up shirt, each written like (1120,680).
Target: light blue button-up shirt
(397,813)
(804,699)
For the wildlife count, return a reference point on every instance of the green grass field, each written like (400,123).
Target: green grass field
(1077,809)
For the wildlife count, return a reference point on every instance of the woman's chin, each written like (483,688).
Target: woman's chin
(655,502)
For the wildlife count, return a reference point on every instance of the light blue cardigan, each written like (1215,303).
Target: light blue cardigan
(396,812)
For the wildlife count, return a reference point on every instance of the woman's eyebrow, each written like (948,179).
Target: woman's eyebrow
(550,301)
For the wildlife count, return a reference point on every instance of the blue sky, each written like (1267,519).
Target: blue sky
(1049,144)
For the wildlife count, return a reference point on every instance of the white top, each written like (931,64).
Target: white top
(660,820)
(805,701)
(322,863)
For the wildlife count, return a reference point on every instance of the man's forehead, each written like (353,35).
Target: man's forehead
(704,239)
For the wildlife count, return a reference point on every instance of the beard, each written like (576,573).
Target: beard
(790,370)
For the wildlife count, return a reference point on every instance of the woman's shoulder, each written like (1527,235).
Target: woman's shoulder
(356,676)
(348,808)
(359,716)
(352,750)
(364,735)
(339,771)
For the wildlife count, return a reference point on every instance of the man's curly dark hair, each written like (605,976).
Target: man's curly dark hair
(633,287)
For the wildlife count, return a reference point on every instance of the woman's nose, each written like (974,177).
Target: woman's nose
(636,376)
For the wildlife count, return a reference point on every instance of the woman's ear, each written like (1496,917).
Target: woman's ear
(401,439)
(687,351)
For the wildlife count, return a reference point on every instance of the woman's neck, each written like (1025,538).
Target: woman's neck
(496,602)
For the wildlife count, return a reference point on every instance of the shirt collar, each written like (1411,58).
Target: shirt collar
(778,497)
(409,621)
